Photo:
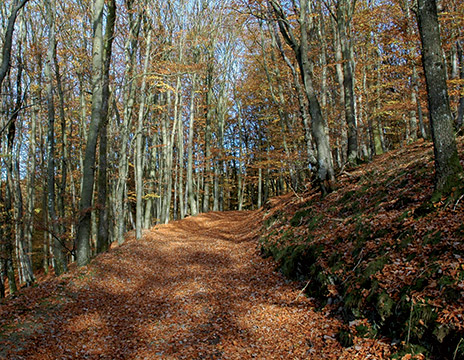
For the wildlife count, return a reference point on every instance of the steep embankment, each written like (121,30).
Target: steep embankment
(193,289)
(377,255)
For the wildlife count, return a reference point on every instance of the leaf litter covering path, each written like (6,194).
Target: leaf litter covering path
(193,289)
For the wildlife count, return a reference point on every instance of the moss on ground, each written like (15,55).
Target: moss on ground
(394,257)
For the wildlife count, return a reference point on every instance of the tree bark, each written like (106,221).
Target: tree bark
(88,176)
(103,209)
(449,173)
(325,171)
(130,49)
(139,147)
(8,39)
(344,14)
(190,191)
(58,248)
(460,112)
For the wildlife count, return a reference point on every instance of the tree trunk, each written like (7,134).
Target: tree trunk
(88,178)
(130,49)
(341,89)
(208,176)
(139,146)
(58,248)
(103,210)
(8,38)
(449,173)
(325,171)
(302,102)
(8,211)
(191,194)
(460,112)
(180,158)
(344,15)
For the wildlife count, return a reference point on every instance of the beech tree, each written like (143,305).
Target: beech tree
(325,170)
(16,6)
(6,233)
(449,172)
(85,206)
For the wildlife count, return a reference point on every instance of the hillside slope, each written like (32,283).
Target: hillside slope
(378,255)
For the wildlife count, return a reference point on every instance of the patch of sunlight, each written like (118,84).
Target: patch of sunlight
(86,321)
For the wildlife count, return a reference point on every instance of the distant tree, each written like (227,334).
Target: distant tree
(449,173)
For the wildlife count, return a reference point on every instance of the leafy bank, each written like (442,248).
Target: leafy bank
(378,254)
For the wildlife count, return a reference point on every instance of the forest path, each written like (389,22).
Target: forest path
(193,289)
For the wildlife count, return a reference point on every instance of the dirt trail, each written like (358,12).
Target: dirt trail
(193,289)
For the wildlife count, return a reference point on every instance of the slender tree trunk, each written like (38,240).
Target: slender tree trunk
(279,99)
(139,147)
(180,160)
(208,176)
(344,15)
(8,201)
(8,38)
(240,182)
(129,100)
(22,245)
(191,194)
(460,112)
(58,248)
(342,98)
(88,176)
(30,187)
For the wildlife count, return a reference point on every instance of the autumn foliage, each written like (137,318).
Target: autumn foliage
(377,250)
(376,274)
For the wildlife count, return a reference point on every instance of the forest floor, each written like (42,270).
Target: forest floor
(194,289)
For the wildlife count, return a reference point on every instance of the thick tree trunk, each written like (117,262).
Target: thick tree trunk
(449,173)
(325,169)
(302,102)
